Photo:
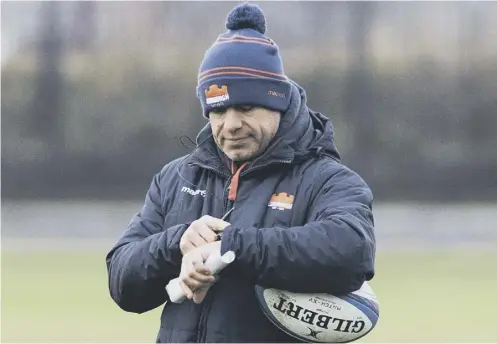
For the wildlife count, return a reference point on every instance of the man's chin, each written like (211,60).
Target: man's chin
(239,156)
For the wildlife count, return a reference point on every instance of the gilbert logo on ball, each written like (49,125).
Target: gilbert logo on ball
(321,318)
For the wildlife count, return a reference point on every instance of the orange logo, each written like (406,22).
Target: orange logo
(281,201)
(214,94)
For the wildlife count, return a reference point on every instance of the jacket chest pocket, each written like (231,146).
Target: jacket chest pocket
(278,218)
(280,210)
(188,211)
(182,212)
(277,212)
(273,206)
(188,208)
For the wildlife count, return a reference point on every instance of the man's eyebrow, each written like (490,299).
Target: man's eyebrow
(244,107)
(220,109)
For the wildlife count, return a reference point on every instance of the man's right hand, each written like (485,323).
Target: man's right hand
(201,232)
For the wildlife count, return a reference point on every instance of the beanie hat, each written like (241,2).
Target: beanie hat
(243,67)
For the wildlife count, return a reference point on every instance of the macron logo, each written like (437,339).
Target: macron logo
(193,192)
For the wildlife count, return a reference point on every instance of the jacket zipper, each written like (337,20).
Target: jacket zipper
(225,194)
(201,332)
(210,169)
(204,311)
(255,168)
(202,327)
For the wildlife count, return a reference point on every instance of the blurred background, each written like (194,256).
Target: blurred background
(97,96)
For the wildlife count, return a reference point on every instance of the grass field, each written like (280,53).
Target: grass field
(424,297)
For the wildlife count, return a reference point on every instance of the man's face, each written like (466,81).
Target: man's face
(243,132)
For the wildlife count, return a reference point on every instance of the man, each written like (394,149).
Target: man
(300,220)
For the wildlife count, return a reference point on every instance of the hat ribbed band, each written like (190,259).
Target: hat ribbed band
(228,90)
(230,71)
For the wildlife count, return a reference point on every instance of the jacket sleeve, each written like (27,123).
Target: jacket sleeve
(145,258)
(332,253)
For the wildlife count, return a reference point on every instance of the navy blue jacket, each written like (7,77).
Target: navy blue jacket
(324,243)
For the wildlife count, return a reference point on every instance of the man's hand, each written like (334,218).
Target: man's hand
(201,232)
(195,279)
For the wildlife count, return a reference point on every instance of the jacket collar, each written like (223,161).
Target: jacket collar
(208,155)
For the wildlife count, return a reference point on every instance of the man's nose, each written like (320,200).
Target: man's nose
(232,119)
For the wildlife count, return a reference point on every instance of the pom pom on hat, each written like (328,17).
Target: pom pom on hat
(246,16)
(243,66)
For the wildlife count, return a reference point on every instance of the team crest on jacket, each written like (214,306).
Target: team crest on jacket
(281,201)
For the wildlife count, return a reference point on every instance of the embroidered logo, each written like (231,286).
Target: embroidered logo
(313,333)
(281,201)
(193,192)
(276,94)
(214,94)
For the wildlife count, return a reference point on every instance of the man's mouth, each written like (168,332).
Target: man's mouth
(236,139)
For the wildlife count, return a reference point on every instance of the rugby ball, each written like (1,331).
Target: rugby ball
(321,318)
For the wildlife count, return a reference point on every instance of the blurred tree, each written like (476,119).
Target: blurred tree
(359,85)
(417,121)
(469,79)
(159,13)
(84,25)
(47,101)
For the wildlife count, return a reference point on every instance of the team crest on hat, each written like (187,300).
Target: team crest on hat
(258,79)
(215,94)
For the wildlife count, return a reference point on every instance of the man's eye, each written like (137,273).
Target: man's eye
(245,108)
